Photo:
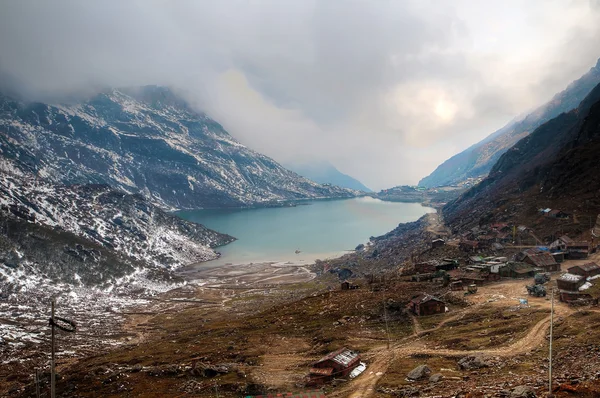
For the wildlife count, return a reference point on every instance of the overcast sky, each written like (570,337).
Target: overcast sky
(386,90)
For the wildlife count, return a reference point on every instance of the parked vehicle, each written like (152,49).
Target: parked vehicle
(536,290)
(358,370)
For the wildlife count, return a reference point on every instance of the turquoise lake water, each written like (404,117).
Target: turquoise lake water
(318,229)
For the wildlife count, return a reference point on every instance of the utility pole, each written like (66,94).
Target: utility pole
(52,371)
(550,353)
(37,383)
(387,328)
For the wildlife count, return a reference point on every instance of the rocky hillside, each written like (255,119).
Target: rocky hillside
(555,166)
(147,141)
(479,159)
(90,234)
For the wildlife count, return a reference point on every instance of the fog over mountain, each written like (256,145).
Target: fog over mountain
(385,91)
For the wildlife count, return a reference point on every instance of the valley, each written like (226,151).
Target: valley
(153,242)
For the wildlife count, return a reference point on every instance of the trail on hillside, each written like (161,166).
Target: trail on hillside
(379,359)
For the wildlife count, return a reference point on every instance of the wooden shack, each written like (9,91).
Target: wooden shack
(424,304)
(542,260)
(337,364)
(517,270)
(586,270)
(578,250)
(570,282)
(437,243)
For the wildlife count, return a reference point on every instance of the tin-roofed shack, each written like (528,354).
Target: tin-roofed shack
(542,260)
(570,282)
(437,243)
(578,250)
(586,270)
(337,364)
(517,270)
(424,304)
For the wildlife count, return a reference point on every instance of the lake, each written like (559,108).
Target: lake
(319,229)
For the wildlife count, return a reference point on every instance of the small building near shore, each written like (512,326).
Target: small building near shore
(425,304)
(586,270)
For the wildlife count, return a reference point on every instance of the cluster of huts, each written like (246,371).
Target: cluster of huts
(493,237)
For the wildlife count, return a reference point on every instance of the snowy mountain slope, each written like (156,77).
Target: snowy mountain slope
(92,233)
(149,141)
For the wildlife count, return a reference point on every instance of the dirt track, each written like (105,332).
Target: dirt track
(381,358)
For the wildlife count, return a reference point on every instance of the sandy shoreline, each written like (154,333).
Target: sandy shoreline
(249,275)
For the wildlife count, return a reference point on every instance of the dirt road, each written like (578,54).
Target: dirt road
(381,358)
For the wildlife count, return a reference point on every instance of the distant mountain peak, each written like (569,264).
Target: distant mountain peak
(323,172)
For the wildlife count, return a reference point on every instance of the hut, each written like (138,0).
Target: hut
(517,270)
(586,270)
(424,304)
(336,364)
(437,243)
(578,250)
(570,282)
(542,260)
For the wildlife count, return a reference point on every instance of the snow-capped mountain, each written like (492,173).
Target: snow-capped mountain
(147,140)
(91,234)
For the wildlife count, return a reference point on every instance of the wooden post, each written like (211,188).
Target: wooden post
(550,353)
(52,371)
(37,383)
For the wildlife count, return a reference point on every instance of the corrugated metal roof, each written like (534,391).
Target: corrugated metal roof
(570,278)
(343,356)
(590,267)
(542,259)
(422,298)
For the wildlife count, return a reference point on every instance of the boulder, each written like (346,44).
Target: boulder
(473,362)
(523,392)
(419,372)
(436,378)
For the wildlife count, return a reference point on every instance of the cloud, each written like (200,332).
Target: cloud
(386,90)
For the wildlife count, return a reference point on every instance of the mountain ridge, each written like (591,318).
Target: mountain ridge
(147,140)
(478,159)
(554,167)
(323,172)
